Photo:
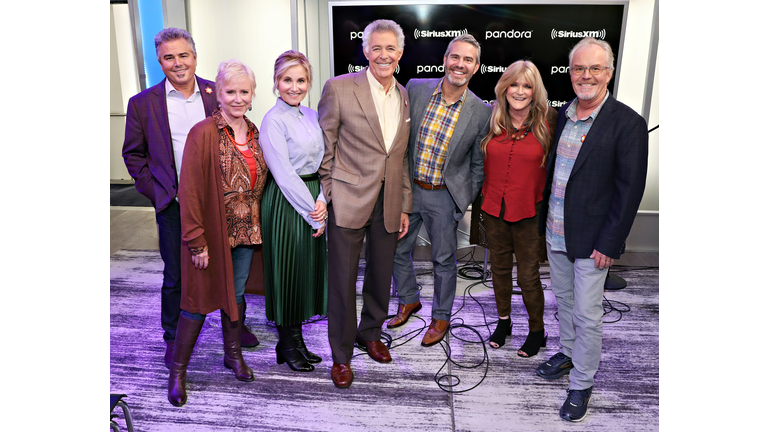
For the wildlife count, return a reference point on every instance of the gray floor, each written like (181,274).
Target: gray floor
(535,403)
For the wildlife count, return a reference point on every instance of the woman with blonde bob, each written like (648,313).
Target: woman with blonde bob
(516,150)
(220,187)
(294,212)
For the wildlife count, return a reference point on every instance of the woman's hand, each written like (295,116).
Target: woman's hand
(320,213)
(319,231)
(200,259)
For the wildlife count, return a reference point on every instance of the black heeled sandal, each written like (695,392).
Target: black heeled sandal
(499,336)
(533,343)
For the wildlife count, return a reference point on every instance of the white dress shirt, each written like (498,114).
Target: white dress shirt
(387,107)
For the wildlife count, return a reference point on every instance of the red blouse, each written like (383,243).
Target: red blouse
(513,172)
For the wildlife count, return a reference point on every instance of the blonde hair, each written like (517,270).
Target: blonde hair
(286,61)
(501,121)
(231,70)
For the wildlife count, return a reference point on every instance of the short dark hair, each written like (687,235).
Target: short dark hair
(172,33)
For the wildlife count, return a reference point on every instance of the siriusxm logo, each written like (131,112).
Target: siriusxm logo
(441,34)
(492,69)
(358,68)
(509,34)
(559,69)
(429,68)
(597,34)
(556,104)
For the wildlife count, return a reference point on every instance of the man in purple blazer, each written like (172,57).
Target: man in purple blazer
(156,126)
(595,181)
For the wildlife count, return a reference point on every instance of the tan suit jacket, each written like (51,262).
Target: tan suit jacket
(356,161)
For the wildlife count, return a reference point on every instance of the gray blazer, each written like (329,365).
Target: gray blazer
(463,167)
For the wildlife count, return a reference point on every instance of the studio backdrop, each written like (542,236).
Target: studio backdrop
(543,33)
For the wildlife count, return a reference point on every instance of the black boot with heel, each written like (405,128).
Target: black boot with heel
(286,351)
(499,336)
(533,342)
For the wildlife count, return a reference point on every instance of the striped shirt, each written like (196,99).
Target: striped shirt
(434,135)
(574,133)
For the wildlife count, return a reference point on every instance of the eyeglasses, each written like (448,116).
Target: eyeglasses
(593,70)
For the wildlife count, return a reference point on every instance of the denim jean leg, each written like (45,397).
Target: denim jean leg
(561,275)
(169,243)
(241,268)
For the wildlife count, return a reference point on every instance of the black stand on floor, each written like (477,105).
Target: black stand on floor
(613,282)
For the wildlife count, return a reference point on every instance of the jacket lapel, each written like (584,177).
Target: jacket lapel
(362,92)
(209,99)
(461,125)
(603,120)
(160,114)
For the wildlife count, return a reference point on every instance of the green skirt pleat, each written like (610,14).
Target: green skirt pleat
(295,263)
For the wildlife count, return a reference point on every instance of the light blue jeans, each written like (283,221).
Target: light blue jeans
(578,287)
(241,267)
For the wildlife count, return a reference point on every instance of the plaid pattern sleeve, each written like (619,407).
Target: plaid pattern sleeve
(434,135)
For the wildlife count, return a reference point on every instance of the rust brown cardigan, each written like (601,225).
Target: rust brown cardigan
(204,222)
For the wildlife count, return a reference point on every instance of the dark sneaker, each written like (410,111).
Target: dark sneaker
(576,405)
(557,366)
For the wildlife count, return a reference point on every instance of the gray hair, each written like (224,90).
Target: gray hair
(592,41)
(172,33)
(231,70)
(466,38)
(383,25)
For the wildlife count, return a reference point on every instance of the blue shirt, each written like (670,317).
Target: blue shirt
(292,143)
(574,133)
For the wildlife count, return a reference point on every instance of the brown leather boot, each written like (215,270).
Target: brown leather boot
(186,336)
(233,355)
(247,338)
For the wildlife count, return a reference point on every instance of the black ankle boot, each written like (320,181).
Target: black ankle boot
(286,351)
(533,342)
(503,329)
(298,340)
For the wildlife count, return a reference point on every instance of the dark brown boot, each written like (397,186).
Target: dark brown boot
(186,336)
(233,355)
(247,338)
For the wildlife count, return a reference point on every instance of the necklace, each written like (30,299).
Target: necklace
(524,129)
(247,140)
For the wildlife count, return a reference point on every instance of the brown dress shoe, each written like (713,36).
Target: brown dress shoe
(168,358)
(435,333)
(404,312)
(376,350)
(341,374)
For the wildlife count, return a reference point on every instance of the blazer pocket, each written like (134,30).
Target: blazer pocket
(345,176)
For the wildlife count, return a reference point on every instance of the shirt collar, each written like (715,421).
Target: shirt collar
(169,87)
(571,112)
(375,84)
(221,123)
(439,89)
(284,107)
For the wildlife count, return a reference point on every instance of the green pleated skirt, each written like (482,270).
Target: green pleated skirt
(295,263)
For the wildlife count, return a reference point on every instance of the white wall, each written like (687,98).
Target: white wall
(254,32)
